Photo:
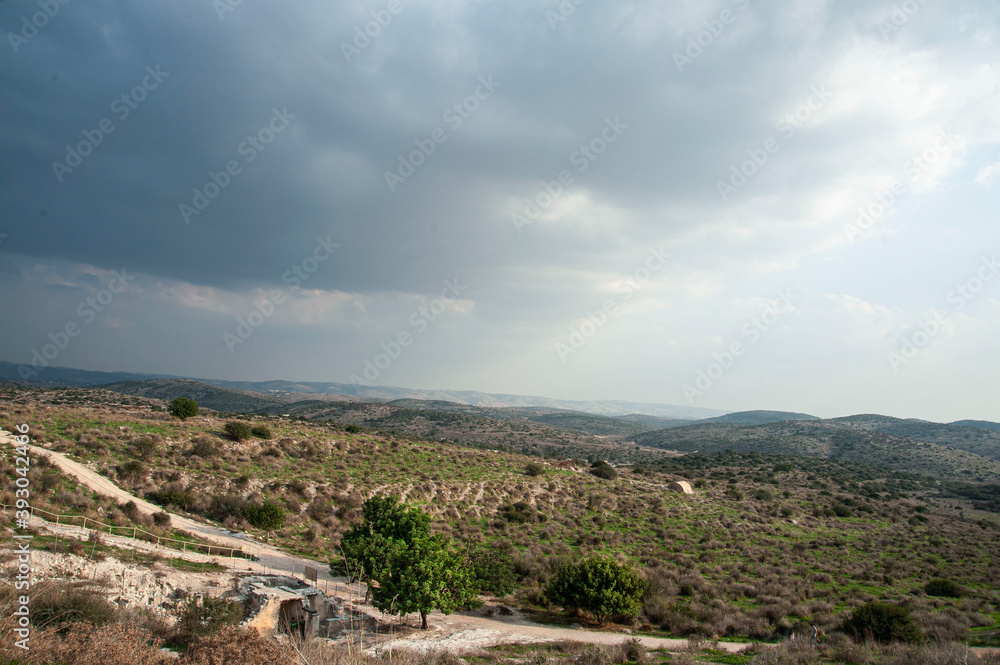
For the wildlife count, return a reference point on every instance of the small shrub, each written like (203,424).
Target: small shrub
(633,651)
(944,589)
(132,472)
(161,519)
(144,446)
(247,647)
(881,622)
(207,616)
(534,469)
(57,608)
(352,429)
(183,407)
(267,516)
(205,446)
(48,480)
(226,506)
(603,470)
(122,643)
(594,655)
(518,513)
(238,430)
(261,431)
(182,499)
(790,652)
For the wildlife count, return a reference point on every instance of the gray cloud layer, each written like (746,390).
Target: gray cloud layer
(838,97)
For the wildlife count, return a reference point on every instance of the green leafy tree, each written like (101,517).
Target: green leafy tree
(428,574)
(183,407)
(267,516)
(387,526)
(598,585)
(882,622)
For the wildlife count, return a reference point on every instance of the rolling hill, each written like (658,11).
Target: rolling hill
(209,396)
(523,430)
(828,440)
(758,417)
(981,424)
(295,390)
(983,442)
(573,420)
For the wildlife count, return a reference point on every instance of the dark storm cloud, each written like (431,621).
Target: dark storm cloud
(352,121)
(347,114)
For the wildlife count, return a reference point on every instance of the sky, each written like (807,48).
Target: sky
(718,203)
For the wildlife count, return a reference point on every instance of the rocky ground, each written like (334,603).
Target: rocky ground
(157,587)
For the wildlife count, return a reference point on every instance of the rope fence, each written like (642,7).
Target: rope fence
(135,533)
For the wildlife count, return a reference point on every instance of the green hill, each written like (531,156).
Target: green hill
(981,424)
(579,421)
(539,432)
(208,396)
(758,417)
(985,442)
(655,422)
(827,440)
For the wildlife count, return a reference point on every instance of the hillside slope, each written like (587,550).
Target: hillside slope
(981,424)
(515,429)
(575,420)
(209,396)
(983,442)
(758,417)
(823,439)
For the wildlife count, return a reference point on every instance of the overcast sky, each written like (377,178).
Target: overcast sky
(648,201)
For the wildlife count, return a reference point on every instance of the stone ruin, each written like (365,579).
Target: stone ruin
(285,605)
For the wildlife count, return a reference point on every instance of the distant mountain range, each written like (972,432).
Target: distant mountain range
(621,418)
(967,451)
(282,390)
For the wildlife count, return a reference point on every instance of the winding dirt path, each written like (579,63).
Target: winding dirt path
(271,558)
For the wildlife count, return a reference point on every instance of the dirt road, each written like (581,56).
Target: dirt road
(271,558)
